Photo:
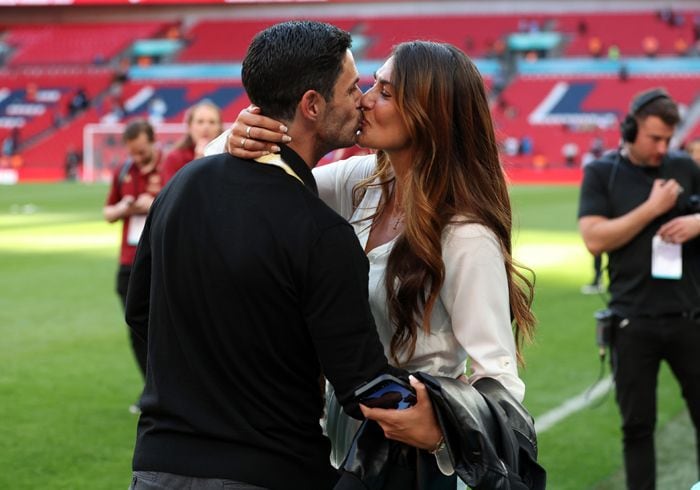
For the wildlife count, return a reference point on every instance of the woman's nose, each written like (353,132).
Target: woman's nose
(367,100)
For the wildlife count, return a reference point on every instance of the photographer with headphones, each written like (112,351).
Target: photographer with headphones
(638,205)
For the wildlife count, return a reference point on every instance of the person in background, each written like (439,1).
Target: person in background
(135,184)
(432,211)
(157,109)
(570,153)
(72,163)
(204,123)
(10,144)
(634,206)
(78,103)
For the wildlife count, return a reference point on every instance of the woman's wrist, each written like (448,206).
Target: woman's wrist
(442,457)
(439,445)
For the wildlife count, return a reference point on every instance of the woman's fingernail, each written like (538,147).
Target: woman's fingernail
(286,138)
(265,153)
(283,129)
(276,149)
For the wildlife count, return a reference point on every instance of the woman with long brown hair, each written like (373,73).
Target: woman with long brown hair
(432,210)
(204,123)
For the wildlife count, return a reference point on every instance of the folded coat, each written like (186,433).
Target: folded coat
(489,435)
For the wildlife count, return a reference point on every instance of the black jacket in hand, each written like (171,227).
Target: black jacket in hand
(489,435)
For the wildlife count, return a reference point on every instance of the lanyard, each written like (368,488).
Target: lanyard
(275,160)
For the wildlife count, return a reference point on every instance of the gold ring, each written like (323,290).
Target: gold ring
(247,132)
(243,140)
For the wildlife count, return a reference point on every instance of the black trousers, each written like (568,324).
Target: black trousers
(139,348)
(639,346)
(153,480)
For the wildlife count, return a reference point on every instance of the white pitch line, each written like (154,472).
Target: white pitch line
(549,419)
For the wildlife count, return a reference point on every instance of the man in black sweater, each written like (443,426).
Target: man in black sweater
(248,288)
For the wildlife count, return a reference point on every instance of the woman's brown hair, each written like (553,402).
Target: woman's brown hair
(455,175)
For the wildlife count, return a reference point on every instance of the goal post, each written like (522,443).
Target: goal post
(103,149)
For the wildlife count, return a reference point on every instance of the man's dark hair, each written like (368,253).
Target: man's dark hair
(135,128)
(287,59)
(662,107)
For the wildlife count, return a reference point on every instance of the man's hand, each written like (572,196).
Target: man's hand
(253,135)
(603,234)
(663,196)
(126,206)
(142,204)
(415,426)
(680,229)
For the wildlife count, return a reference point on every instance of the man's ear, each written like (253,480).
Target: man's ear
(312,105)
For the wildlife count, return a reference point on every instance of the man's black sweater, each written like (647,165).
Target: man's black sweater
(247,288)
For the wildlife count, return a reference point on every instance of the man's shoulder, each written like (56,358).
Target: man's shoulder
(286,192)
(322,214)
(219,158)
(124,173)
(679,155)
(204,164)
(681,159)
(605,162)
(601,168)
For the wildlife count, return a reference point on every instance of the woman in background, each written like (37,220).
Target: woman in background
(204,123)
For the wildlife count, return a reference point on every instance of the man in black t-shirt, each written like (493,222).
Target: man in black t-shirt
(636,206)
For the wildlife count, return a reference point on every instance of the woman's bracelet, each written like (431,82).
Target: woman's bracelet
(440,444)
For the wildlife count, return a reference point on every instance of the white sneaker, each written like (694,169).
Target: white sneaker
(592,289)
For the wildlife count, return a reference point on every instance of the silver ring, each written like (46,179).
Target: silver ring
(243,140)
(247,132)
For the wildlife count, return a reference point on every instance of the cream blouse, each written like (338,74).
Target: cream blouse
(471,319)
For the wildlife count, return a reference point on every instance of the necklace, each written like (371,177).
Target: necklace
(397,212)
(397,221)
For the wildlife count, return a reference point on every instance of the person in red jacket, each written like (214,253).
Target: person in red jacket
(135,185)
(204,123)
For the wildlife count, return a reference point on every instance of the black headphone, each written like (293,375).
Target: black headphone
(628,127)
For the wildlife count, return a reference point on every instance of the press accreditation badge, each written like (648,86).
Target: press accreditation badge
(666,259)
(136,224)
